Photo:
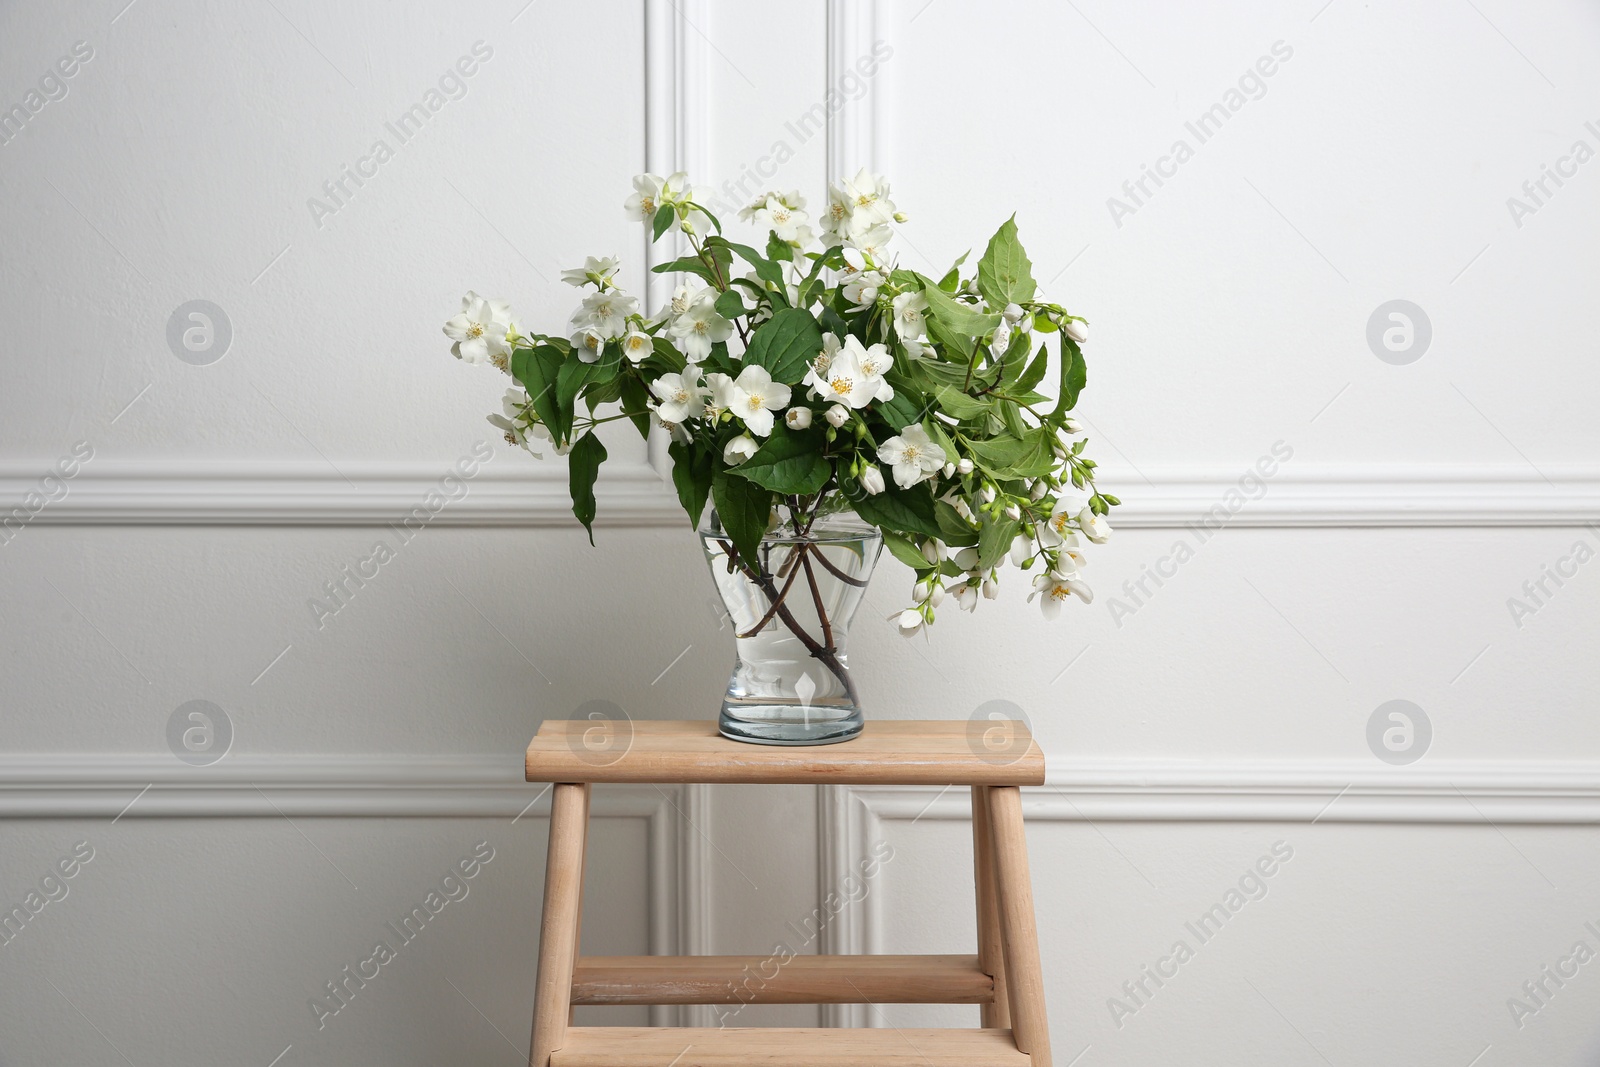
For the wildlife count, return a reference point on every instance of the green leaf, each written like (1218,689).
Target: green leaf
(1074,375)
(697,266)
(1036,369)
(691,477)
(959,404)
(636,401)
(766,269)
(778,248)
(994,540)
(573,376)
(789,462)
(908,406)
(1004,274)
(904,551)
(785,345)
(537,370)
(935,431)
(952,279)
(956,530)
(959,318)
(744,509)
(583,466)
(729,305)
(901,510)
(663,219)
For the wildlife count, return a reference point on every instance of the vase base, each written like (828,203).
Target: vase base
(788,725)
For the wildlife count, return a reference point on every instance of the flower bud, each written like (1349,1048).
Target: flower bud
(949,469)
(901,216)
(1013,512)
(964,466)
(1040,488)
(1070,425)
(936,597)
(738,450)
(986,494)
(991,589)
(797,418)
(932,549)
(837,415)
(921,591)
(1013,313)
(909,621)
(872,480)
(1078,331)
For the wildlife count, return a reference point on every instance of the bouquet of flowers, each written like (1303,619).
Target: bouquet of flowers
(813,375)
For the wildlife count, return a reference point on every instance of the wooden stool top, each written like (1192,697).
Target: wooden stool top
(889,752)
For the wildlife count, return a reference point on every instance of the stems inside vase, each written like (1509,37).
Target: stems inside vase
(803,514)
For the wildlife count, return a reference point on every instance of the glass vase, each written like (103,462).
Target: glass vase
(790,610)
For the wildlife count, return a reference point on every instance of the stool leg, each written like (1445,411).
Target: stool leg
(583,874)
(991,956)
(558,932)
(1024,976)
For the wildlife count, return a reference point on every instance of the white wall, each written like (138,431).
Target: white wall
(1188,730)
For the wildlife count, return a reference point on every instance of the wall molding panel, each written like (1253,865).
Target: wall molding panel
(112,493)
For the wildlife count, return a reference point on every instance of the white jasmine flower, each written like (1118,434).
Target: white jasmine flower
(646,198)
(797,418)
(1001,339)
(588,343)
(1094,527)
(817,377)
(869,200)
(967,597)
(1013,313)
(909,621)
(685,297)
(607,312)
(967,560)
(1021,549)
(738,450)
(913,455)
(854,375)
(917,350)
(836,220)
(594,271)
(1056,590)
(1069,561)
(837,415)
(681,396)
(781,218)
(862,289)
(908,318)
(519,424)
(872,480)
(698,328)
(479,332)
(754,396)
(1078,331)
(963,465)
(638,346)
(679,432)
(874,241)
(1056,530)
(717,386)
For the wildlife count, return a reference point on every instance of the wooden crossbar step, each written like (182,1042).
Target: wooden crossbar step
(767,980)
(642,1046)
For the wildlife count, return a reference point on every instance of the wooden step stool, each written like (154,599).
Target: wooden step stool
(1004,977)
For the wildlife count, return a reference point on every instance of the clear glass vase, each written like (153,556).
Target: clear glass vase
(790,614)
